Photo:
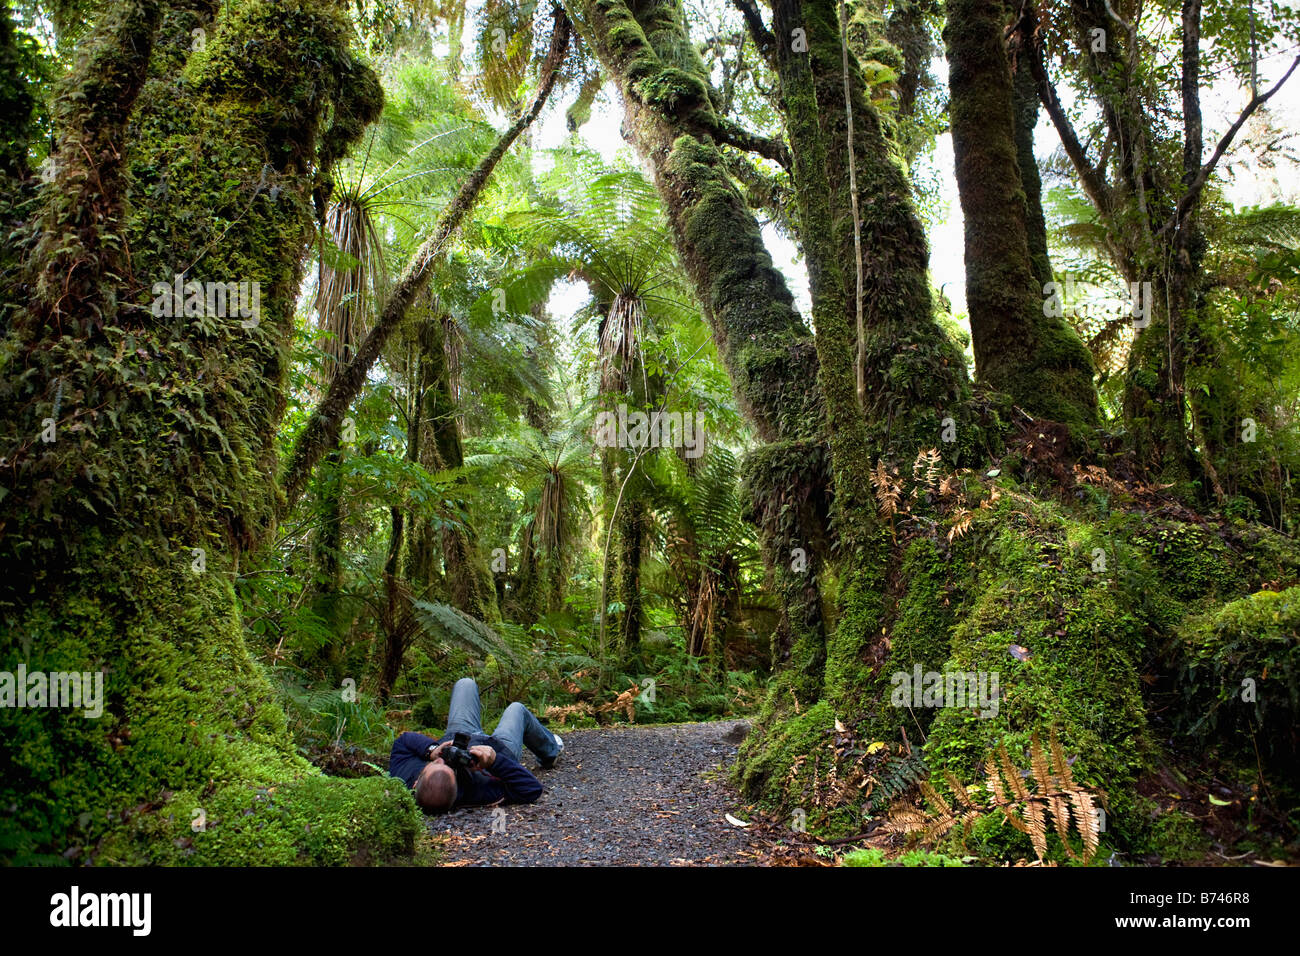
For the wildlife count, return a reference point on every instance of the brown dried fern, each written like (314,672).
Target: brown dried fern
(888,490)
(1055,794)
(925,471)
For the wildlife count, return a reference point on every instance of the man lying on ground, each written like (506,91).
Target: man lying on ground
(494,776)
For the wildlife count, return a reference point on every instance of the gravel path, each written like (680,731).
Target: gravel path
(624,796)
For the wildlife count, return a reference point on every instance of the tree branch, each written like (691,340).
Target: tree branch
(1093,182)
(1198,182)
(762,37)
(322,430)
(733,134)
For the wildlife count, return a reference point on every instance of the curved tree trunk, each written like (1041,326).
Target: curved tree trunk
(768,351)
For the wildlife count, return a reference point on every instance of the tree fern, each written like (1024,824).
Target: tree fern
(451,626)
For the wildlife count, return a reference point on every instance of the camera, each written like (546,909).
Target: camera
(458,756)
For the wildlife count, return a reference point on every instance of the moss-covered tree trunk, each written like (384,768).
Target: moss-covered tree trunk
(1024,99)
(1021,347)
(122,533)
(913,374)
(768,351)
(627,623)
(860,564)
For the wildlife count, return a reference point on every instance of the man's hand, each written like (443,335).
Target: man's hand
(437,751)
(484,756)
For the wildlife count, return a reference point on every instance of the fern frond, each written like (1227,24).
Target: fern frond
(1058,758)
(455,626)
(1034,818)
(1014,780)
(934,797)
(1086,822)
(888,492)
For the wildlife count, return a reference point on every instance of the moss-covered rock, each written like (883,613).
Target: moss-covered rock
(1240,676)
(1071,607)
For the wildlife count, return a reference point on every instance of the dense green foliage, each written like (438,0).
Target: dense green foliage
(280,535)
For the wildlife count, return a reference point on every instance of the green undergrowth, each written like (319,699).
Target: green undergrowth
(876,857)
(1239,677)
(1069,605)
(191,759)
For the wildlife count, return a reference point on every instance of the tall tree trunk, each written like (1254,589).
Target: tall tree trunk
(1024,97)
(768,351)
(631,519)
(165,435)
(910,390)
(465,569)
(1020,348)
(860,565)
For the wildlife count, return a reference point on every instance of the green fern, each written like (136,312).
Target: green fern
(902,773)
(451,626)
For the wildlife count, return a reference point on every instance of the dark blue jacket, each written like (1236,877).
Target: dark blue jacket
(507,781)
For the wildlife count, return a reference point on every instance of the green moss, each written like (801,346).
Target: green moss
(779,758)
(1240,675)
(672,89)
(854,643)
(188,721)
(876,857)
(1195,564)
(314,821)
(1169,834)
(992,837)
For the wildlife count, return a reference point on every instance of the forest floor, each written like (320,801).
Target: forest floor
(652,795)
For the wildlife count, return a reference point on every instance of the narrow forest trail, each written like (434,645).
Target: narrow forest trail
(653,795)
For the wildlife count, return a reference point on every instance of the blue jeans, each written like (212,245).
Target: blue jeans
(516,729)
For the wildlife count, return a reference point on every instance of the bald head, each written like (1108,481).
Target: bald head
(435,789)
